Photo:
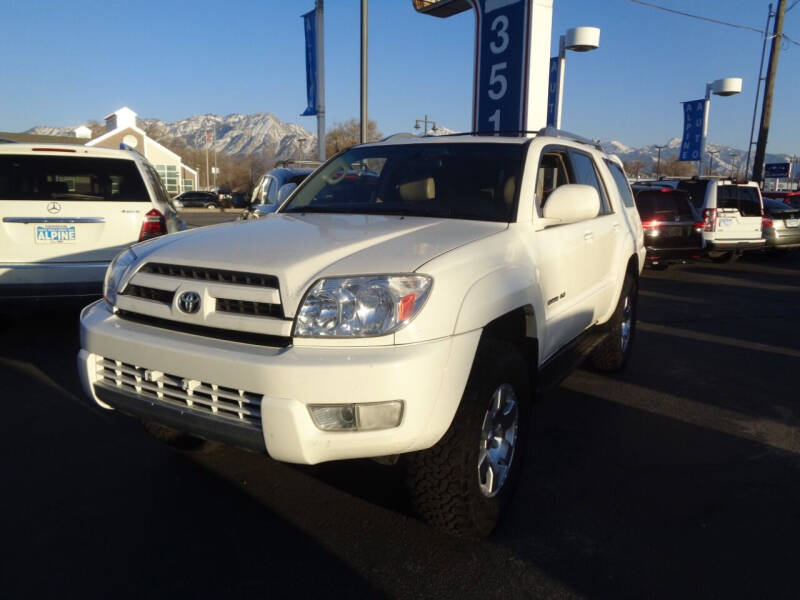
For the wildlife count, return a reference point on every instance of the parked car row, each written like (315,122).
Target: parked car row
(720,218)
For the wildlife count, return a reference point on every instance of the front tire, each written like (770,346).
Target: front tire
(463,483)
(612,353)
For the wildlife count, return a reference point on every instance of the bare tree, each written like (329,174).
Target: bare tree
(633,168)
(347,134)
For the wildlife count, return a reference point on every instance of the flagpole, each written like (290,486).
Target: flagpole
(320,81)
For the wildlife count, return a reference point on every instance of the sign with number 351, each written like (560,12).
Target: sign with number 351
(501,72)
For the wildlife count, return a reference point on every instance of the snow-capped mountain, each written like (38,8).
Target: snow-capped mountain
(236,135)
(728,160)
(242,135)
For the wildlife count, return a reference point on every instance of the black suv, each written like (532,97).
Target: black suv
(196,200)
(673,232)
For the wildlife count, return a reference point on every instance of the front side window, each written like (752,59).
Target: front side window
(450,180)
(552,173)
(63,178)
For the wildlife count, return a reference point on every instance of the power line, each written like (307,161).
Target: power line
(793,5)
(711,20)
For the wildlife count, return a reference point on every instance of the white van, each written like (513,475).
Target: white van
(732,212)
(66,211)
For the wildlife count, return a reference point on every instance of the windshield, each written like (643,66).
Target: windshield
(458,181)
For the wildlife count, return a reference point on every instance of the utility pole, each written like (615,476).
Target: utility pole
(766,111)
(770,14)
(658,167)
(364,45)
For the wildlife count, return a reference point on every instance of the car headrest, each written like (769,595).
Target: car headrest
(417,191)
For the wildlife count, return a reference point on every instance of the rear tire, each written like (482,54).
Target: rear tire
(463,483)
(612,353)
(177,439)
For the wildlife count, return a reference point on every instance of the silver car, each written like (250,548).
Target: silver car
(272,189)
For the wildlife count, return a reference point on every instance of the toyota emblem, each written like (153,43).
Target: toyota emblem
(189,302)
(53,208)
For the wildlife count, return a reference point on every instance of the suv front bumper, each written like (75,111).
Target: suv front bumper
(428,377)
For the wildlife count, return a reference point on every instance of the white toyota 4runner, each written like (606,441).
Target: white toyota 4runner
(405,301)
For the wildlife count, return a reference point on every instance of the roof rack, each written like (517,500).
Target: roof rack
(548,131)
(301,163)
(399,136)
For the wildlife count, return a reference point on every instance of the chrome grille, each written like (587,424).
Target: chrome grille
(149,293)
(246,307)
(224,403)
(210,275)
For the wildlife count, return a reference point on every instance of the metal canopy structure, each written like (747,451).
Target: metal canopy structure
(441,8)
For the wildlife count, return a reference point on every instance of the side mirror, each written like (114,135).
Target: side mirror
(264,209)
(571,203)
(284,191)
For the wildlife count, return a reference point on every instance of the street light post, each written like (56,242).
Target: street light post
(658,165)
(577,39)
(727,86)
(426,122)
(711,153)
(734,169)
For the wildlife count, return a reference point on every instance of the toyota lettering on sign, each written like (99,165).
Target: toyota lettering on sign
(501,69)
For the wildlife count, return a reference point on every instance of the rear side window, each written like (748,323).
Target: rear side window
(26,177)
(655,205)
(697,192)
(622,184)
(745,198)
(585,172)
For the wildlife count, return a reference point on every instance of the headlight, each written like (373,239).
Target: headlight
(117,274)
(366,306)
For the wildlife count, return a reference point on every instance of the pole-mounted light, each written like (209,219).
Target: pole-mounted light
(727,86)
(577,39)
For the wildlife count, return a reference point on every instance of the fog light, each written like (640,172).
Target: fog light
(357,417)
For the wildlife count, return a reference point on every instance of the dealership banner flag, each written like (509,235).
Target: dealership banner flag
(552,91)
(310,23)
(693,113)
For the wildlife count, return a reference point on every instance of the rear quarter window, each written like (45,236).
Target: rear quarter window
(745,198)
(655,205)
(67,178)
(623,187)
(697,192)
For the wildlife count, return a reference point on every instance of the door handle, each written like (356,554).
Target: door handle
(588,236)
(617,226)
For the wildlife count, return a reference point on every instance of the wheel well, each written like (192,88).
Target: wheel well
(513,327)
(633,266)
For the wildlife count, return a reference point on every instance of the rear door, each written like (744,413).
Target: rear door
(739,212)
(56,206)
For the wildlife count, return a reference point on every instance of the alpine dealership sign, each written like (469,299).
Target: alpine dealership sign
(691,145)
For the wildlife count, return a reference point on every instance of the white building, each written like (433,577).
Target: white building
(121,128)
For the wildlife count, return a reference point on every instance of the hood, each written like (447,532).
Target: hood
(299,249)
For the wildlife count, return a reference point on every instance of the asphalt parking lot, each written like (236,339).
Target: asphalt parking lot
(680,477)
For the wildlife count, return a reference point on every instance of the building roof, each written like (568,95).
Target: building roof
(40,139)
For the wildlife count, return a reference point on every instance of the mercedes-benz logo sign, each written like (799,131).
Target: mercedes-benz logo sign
(189,302)
(53,208)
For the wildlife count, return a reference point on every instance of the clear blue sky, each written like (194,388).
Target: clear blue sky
(67,62)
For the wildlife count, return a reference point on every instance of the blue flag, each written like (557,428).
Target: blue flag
(310,23)
(552,91)
(693,112)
